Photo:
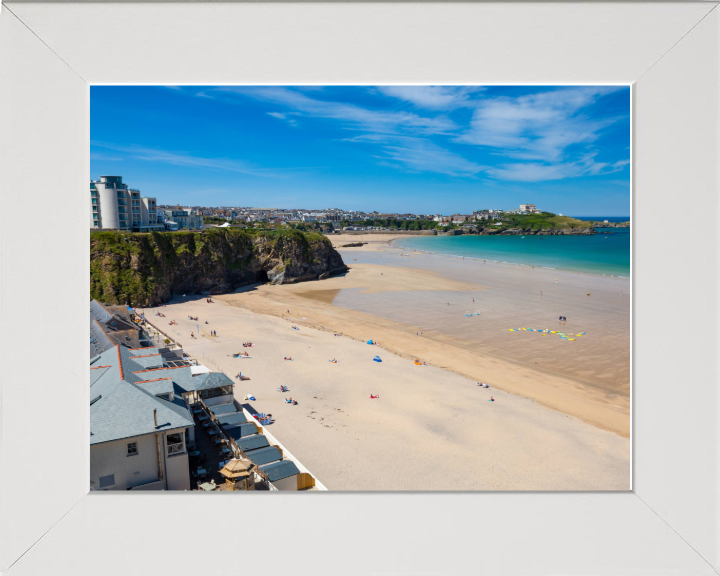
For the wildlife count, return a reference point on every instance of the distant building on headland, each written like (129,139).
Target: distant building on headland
(114,206)
(529,208)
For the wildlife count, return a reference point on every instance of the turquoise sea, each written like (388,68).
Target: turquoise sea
(607,252)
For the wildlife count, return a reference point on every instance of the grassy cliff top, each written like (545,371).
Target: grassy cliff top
(114,237)
(544,221)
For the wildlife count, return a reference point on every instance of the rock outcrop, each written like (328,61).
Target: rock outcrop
(491,231)
(610,224)
(149,269)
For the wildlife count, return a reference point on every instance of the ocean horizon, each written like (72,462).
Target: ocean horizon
(602,218)
(606,253)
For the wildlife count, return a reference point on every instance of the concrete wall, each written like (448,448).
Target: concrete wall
(157,485)
(178,472)
(129,471)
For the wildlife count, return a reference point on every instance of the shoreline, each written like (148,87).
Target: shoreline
(601,398)
(395,243)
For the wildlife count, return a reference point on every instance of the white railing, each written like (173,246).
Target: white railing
(175,448)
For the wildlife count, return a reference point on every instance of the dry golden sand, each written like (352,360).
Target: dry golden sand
(432,428)
(606,405)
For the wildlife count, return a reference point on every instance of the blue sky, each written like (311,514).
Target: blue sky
(421,149)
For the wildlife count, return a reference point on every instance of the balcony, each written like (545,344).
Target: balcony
(176,449)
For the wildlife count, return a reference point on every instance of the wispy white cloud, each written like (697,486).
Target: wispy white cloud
(544,135)
(104,157)
(418,155)
(537,126)
(351,116)
(433,97)
(424,156)
(184,159)
(549,132)
(284,116)
(536,172)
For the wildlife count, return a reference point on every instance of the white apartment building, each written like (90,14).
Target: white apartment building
(529,208)
(182,219)
(114,206)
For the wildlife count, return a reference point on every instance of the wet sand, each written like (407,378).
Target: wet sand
(394,301)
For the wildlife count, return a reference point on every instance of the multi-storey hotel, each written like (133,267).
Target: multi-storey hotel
(115,206)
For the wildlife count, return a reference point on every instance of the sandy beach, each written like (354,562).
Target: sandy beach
(560,424)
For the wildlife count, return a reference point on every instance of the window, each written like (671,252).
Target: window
(132,449)
(107,481)
(214,392)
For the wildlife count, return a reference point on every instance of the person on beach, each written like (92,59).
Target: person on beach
(491,399)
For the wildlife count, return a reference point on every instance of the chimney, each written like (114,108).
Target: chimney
(155,415)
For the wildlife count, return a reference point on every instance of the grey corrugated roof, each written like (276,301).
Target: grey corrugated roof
(279,470)
(264,455)
(98,312)
(137,372)
(97,373)
(230,420)
(105,322)
(125,410)
(149,361)
(202,381)
(241,430)
(223,408)
(156,387)
(99,342)
(144,351)
(252,442)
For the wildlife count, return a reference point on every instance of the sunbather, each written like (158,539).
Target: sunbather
(373,397)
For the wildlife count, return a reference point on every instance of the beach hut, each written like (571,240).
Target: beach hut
(238,474)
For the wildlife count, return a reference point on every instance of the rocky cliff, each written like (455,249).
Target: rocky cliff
(494,231)
(610,224)
(149,269)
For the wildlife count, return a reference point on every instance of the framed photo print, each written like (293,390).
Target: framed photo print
(439,278)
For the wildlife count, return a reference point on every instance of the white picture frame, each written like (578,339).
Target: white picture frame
(50,53)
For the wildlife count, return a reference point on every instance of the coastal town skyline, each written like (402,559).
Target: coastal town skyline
(391,149)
